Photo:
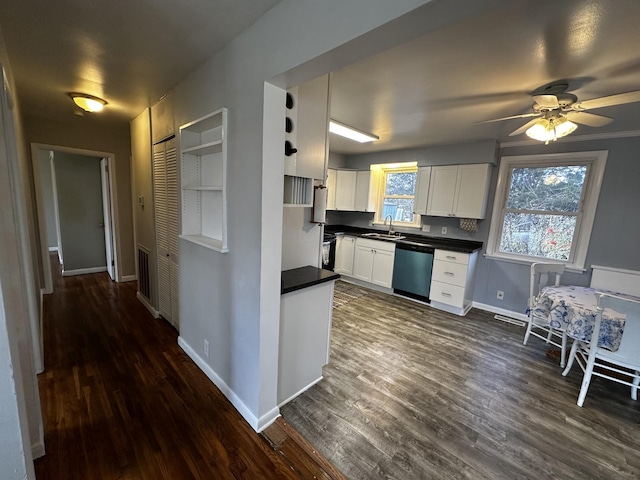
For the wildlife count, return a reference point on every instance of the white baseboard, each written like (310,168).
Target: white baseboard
(83,271)
(302,390)
(37,449)
(128,278)
(148,306)
(501,311)
(53,249)
(258,424)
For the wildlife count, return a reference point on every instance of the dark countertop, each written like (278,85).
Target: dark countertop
(451,244)
(303,277)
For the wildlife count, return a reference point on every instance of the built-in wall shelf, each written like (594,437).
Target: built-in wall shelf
(212,147)
(204,187)
(298,191)
(203,149)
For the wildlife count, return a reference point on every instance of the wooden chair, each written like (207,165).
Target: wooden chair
(589,355)
(542,274)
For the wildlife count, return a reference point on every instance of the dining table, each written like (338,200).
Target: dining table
(573,310)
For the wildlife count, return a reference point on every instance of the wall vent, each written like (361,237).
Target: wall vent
(144,286)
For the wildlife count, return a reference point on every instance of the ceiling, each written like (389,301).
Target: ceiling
(129,52)
(432,90)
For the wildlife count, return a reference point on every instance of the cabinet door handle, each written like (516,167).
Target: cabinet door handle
(449,274)
(445,294)
(451,257)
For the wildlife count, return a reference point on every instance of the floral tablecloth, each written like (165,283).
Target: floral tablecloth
(573,309)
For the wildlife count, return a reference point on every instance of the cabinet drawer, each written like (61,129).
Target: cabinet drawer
(452,256)
(444,293)
(449,272)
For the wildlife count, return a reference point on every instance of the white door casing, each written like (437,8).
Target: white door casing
(107,218)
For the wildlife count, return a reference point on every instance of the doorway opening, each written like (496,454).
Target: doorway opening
(76,215)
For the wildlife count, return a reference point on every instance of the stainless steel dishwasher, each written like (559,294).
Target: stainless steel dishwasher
(412,267)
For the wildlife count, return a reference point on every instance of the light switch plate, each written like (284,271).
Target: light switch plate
(444,230)
(426,228)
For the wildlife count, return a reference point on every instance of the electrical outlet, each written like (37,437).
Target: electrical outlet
(500,295)
(444,230)
(426,228)
(206,348)
(371,223)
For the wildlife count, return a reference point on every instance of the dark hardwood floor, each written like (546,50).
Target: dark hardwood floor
(121,400)
(414,393)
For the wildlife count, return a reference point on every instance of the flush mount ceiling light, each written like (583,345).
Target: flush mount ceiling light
(548,129)
(88,103)
(351,133)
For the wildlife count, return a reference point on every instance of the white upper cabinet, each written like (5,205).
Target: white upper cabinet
(331,189)
(459,190)
(361,194)
(310,123)
(422,190)
(352,191)
(345,189)
(472,190)
(442,190)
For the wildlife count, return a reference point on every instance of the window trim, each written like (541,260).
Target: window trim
(381,170)
(596,162)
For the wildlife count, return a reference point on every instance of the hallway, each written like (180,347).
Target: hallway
(121,400)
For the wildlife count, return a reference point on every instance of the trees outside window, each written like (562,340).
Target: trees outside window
(544,207)
(396,195)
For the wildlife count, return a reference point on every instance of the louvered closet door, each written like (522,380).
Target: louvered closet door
(162,230)
(172,226)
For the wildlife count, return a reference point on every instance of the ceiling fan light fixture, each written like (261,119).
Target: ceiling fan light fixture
(88,103)
(351,133)
(546,130)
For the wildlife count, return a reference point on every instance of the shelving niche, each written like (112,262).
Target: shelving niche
(203,149)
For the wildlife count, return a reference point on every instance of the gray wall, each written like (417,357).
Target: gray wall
(79,188)
(233,299)
(616,229)
(86,133)
(21,428)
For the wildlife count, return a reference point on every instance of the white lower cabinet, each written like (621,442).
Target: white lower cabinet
(345,247)
(373,261)
(305,339)
(452,281)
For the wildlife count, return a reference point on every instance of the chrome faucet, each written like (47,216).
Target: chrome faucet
(391,232)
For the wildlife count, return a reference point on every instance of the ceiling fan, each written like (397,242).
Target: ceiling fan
(557,112)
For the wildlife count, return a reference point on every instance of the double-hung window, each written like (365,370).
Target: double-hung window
(545,206)
(396,193)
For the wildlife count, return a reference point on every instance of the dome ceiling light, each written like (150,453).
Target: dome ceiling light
(88,103)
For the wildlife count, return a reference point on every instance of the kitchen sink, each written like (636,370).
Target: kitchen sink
(383,235)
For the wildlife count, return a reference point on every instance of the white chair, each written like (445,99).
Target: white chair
(589,355)
(542,274)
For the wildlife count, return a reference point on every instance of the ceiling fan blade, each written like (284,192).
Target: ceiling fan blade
(547,101)
(523,128)
(608,101)
(524,115)
(589,119)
